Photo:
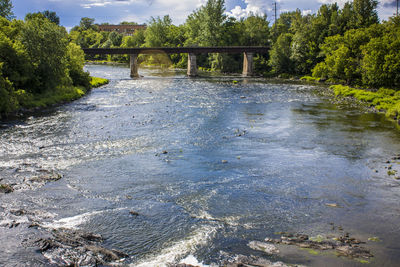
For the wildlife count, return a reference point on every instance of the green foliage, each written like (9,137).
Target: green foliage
(46,46)
(8,101)
(309,79)
(381,58)
(280,54)
(87,24)
(365,13)
(136,40)
(50,15)
(386,100)
(6,9)
(365,56)
(157,32)
(205,25)
(97,82)
(13,55)
(38,65)
(255,31)
(75,63)
(115,39)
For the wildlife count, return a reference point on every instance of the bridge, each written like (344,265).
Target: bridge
(248,51)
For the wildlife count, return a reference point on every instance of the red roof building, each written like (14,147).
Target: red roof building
(123,29)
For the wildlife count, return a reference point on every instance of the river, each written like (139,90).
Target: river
(171,169)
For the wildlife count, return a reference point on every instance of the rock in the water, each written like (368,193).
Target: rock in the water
(252,261)
(76,248)
(134,213)
(5,188)
(344,245)
(262,246)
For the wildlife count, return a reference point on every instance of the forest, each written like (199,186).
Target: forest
(347,45)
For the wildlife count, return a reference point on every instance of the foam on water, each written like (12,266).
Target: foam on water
(74,221)
(179,249)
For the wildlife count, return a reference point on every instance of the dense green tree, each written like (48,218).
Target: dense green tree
(284,24)
(365,13)
(75,59)
(343,55)
(6,9)
(52,16)
(87,23)
(255,31)
(157,32)
(13,55)
(8,100)
(205,26)
(280,56)
(115,38)
(46,46)
(135,40)
(36,58)
(381,58)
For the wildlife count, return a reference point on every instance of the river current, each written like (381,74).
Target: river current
(207,165)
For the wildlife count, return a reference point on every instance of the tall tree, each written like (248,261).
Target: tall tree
(157,31)
(6,9)
(365,13)
(87,23)
(205,25)
(52,16)
(46,46)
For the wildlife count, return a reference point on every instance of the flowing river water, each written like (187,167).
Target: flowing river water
(170,169)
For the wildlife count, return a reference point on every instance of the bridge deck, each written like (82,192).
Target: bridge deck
(177,50)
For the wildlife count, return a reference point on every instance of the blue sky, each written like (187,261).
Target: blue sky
(115,11)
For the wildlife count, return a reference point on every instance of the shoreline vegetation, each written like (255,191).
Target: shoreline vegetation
(382,100)
(34,102)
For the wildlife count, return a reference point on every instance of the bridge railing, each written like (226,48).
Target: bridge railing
(177,50)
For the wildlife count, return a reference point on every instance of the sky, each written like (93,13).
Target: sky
(140,11)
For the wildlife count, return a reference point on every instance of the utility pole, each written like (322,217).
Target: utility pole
(275,9)
(397,10)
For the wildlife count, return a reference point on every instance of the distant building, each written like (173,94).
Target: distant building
(123,29)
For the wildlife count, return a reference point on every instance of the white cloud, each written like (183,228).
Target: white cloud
(256,7)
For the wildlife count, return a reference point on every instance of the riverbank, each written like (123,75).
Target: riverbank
(29,103)
(383,100)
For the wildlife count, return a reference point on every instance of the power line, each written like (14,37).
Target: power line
(276,11)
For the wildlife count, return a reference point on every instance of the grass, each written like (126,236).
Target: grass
(384,100)
(309,79)
(97,82)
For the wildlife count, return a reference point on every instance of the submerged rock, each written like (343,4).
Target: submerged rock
(252,261)
(344,245)
(262,246)
(6,189)
(67,247)
(46,178)
(134,213)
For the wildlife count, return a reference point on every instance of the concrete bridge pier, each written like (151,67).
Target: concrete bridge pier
(192,65)
(134,66)
(248,64)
